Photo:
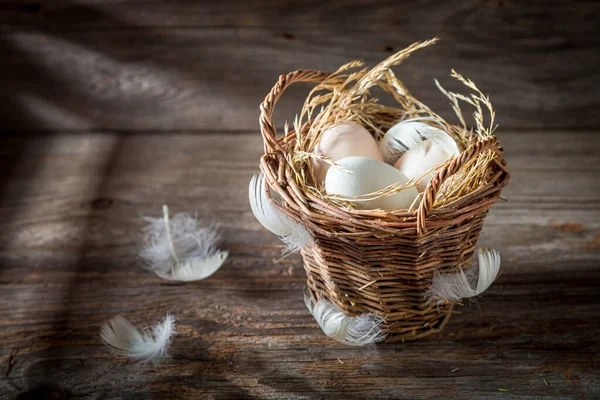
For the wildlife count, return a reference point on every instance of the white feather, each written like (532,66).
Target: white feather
(352,331)
(180,248)
(460,285)
(291,233)
(147,345)
(410,133)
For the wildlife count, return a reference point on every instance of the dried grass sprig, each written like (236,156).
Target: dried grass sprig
(375,74)
(476,100)
(472,175)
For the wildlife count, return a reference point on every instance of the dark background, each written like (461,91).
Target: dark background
(111,108)
(204,66)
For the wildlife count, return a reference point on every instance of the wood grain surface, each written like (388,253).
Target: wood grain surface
(203,66)
(70,207)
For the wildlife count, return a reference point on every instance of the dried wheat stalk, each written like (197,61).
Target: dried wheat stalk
(345,96)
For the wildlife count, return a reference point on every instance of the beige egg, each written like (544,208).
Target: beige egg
(361,176)
(344,140)
(416,161)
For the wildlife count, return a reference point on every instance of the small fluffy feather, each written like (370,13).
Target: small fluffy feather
(181,249)
(352,331)
(409,134)
(291,233)
(475,281)
(147,345)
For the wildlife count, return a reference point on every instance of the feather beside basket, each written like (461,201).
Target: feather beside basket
(381,274)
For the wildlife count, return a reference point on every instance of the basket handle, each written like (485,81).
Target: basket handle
(267,128)
(450,169)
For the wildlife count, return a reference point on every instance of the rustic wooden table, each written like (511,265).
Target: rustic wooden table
(70,231)
(108,110)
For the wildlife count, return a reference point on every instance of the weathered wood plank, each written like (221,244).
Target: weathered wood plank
(189,65)
(69,233)
(574,17)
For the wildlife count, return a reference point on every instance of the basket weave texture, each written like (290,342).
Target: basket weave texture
(368,261)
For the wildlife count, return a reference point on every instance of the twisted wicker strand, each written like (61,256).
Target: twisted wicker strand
(267,128)
(455,165)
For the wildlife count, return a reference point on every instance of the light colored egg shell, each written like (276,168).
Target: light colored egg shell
(344,140)
(368,176)
(408,134)
(420,159)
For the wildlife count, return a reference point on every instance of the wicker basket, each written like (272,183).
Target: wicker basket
(382,262)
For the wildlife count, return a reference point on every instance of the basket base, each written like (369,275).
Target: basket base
(422,324)
(434,326)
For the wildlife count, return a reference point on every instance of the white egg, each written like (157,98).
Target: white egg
(360,176)
(408,134)
(415,162)
(344,140)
